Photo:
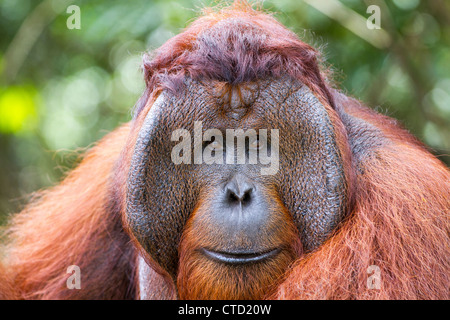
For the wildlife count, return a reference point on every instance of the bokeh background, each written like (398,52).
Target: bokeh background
(61,90)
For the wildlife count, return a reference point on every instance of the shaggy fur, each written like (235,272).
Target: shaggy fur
(73,224)
(400,223)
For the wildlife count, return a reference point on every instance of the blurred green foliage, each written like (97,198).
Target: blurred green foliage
(61,89)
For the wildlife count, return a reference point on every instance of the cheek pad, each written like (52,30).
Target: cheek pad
(312,183)
(160,194)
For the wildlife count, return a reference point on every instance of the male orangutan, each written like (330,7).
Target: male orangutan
(352,192)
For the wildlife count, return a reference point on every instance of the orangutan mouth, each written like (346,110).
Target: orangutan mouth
(240,257)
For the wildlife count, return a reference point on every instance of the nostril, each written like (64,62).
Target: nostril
(232,197)
(247,196)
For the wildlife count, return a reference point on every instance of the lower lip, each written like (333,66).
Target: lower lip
(239,258)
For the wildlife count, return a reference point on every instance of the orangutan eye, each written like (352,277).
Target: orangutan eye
(256,144)
(216,145)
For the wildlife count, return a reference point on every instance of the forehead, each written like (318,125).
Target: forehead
(258,104)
